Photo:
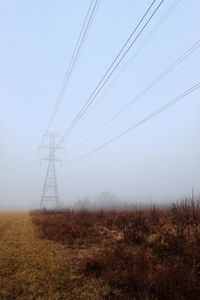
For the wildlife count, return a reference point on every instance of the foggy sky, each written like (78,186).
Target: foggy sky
(157,162)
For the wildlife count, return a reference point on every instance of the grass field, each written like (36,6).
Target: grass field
(140,254)
(31,268)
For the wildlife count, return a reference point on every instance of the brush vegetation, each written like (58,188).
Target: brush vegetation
(139,254)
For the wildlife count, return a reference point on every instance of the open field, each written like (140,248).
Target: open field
(141,254)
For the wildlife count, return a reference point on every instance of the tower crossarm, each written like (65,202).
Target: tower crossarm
(47,159)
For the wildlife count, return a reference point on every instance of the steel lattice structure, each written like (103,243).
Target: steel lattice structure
(50,188)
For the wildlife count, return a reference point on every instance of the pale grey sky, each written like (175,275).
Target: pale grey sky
(158,161)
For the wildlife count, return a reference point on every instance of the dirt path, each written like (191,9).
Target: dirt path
(30,268)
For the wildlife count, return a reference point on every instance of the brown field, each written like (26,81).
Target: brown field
(140,254)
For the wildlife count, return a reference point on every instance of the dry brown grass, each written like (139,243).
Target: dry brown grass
(141,254)
(32,268)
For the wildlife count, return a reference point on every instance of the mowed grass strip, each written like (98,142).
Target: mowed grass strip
(30,268)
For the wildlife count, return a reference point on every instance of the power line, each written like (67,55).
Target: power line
(140,48)
(75,55)
(134,126)
(104,80)
(143,92)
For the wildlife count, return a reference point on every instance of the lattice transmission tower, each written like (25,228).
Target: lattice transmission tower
(50,189)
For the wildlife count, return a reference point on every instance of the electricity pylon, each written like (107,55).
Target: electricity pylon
(50,188)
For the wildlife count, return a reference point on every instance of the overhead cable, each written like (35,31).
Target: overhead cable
(136,125)
(141,47)
(142,93)
(110,71)
(75,55)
